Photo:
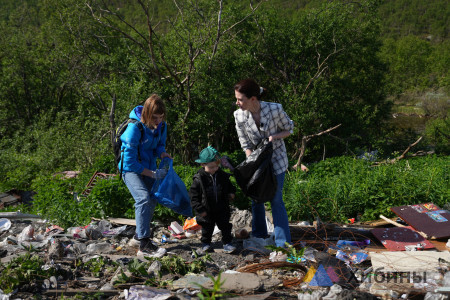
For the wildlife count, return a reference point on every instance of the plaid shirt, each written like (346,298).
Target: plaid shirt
(273,120)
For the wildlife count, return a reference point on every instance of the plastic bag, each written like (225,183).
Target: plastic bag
(171,191)
(191,224)
(255,175)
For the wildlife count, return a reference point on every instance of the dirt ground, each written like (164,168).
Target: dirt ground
(76,278)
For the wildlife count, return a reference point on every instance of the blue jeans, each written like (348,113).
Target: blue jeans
(144,205)
(279,215)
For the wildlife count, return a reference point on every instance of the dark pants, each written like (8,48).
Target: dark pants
(215,218)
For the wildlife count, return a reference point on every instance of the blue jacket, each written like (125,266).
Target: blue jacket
(150,146)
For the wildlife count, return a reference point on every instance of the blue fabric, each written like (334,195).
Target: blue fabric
(140,188)
(151,145)
(279,215)
(171,191)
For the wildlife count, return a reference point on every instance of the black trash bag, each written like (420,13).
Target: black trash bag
(255,175)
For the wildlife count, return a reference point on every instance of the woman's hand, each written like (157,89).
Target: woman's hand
(158,174)
(280,135)
(165,154)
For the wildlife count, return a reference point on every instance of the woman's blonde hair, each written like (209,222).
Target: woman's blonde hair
(153,105)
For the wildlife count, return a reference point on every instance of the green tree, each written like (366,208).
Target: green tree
(322,66)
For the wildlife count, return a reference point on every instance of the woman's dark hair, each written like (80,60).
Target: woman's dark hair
(250,88)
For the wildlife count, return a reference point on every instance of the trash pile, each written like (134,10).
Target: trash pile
(385,259)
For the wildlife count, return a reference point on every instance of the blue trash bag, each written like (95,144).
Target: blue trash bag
(171,191)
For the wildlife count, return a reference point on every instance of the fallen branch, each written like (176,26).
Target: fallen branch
(305,140)
(392,161)
(271,265)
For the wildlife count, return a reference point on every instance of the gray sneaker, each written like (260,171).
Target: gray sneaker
(158,253)
(206,248)
(228,248)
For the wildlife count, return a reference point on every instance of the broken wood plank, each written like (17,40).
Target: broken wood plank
(379,223)
(408,261)
(18,215)
(253,268)
(119,221)
(73,292)
(254,296)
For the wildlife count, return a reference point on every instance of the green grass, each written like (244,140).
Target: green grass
(335,189)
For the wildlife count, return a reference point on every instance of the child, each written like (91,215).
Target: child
(210,193)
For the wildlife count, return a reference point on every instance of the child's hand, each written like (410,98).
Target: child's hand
(231,197)
(203,214)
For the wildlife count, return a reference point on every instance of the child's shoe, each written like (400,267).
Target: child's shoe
(207,248)
(228,248)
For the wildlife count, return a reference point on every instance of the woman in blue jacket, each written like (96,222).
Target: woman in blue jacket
(140,152)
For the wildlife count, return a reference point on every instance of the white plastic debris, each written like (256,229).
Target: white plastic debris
(259,244)
(26,234)
(5,224)
(146,292)
(177,229)
(270,226)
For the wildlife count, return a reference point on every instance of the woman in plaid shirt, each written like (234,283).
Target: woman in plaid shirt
(256,120)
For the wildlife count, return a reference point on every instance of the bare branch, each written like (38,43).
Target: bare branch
(150,37)
(306,139)
(391,161)
(243,19)
(216,43)
(116,29)
(320,67)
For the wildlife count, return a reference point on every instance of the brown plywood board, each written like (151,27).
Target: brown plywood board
(396,238)
(427,218)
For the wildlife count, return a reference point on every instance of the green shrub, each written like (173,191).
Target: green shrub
(56,200)
(111,198)
(436,133)
(23,269)
(340,188)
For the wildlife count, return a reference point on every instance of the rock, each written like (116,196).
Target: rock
(192,281)
(269,282)
(241,283)
(107,287)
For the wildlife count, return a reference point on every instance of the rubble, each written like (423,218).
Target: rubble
(327,261)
